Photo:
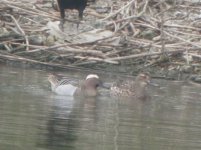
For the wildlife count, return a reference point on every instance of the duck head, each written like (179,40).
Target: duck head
(141,82)
(91,84)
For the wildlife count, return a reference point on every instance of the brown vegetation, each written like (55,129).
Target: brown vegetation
(160,36)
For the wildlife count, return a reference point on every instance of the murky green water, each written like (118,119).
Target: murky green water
(33,118)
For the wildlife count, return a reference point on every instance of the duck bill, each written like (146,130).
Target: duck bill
(105,85)
(152,84)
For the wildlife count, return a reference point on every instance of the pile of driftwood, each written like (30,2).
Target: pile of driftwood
(114,32)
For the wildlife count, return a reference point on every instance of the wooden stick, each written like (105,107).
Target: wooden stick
(21,31)
(144,54)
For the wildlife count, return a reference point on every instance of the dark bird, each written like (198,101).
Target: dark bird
(79,5)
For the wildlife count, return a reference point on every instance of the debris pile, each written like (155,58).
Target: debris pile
(149,33)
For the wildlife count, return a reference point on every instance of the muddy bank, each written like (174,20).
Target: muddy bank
(121,38)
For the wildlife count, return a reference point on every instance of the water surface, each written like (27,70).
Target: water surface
(32,117)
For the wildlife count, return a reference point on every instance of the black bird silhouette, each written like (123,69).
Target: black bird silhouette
(79,5)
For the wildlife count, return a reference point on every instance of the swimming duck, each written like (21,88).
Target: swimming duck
(135,88)
(67,87)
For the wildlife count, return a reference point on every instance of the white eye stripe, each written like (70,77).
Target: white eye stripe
(92,76)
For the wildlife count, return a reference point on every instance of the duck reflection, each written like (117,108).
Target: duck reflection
(69,120)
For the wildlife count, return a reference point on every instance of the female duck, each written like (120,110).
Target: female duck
(135,88)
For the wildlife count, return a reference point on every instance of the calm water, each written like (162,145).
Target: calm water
(33,118)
